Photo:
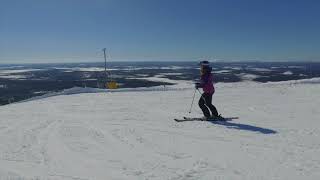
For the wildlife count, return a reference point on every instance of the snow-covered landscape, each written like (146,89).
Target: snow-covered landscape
(86,133)
(159,90)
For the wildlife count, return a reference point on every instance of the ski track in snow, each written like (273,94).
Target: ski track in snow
(132,135)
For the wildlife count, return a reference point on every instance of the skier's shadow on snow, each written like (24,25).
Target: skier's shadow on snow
(245,127)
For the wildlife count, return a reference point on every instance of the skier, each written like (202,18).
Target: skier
(206,83)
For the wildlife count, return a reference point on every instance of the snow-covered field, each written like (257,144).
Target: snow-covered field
(14,74)
(131,135)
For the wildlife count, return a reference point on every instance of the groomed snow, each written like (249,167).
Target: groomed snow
(131,135)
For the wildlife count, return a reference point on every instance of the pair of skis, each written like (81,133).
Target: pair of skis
(220,118)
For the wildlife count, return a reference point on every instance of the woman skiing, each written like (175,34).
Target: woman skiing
(206,83)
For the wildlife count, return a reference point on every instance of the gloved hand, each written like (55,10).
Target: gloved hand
(197,85)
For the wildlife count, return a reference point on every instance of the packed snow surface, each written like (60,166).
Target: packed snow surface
(98,134)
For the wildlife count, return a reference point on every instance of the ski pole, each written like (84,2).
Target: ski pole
(201,95)
(194,94)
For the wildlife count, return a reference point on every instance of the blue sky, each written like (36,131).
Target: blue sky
(77,30)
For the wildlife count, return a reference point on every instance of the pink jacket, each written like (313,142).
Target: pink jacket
(206,82)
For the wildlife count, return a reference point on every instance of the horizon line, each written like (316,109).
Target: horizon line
(167,60)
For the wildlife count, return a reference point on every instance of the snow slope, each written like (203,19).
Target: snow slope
(132,135)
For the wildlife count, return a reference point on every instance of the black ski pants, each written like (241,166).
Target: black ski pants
(205,103)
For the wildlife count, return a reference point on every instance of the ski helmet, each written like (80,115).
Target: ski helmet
(206,66)
(204,63)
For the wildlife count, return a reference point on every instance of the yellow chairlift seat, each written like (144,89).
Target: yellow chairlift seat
(112,85)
